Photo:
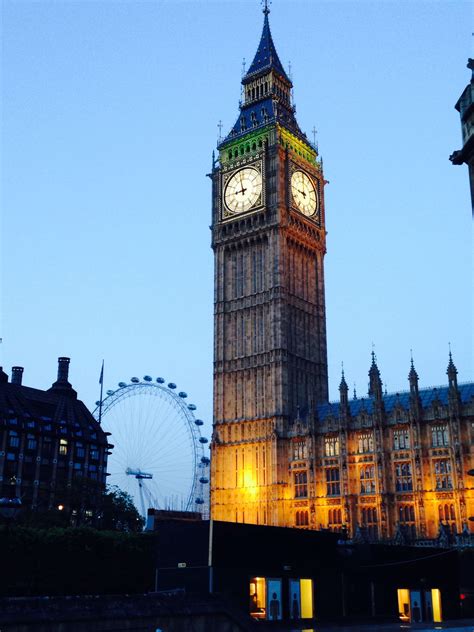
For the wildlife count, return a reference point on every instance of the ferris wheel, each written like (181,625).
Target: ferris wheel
(158,455)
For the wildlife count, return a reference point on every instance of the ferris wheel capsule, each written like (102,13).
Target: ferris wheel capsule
(147,378)
(203,480)
(97,403)
(192,406)
(110,392)
(199,501)
(160,380)
(202,440)
(199,422)
(182,394)
(122,384)
(135,380)
(171,385)
(205,460)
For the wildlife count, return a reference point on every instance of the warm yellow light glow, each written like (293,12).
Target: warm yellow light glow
(436,596)
(60,507)
(250,484)
(403,604)
(306,588)
(258,597)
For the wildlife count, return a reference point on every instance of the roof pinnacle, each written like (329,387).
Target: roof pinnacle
(266,8)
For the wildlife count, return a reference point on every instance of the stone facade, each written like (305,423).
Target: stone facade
(385,466)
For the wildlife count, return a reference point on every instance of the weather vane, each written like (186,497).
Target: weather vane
(266,6)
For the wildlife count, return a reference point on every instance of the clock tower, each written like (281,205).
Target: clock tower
(269,241)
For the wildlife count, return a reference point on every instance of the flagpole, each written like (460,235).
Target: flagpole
(101,380)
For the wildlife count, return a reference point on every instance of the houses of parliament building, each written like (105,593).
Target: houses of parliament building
(381,466)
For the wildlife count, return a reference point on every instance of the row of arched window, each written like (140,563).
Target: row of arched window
(245,148)
(301,519)
(257,91)
(334,517)
(447,513)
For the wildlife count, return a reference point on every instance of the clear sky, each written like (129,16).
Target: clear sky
(110,113)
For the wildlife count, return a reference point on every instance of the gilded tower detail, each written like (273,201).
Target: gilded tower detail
(268,238)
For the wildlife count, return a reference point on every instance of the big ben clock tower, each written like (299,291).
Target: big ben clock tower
(269,241)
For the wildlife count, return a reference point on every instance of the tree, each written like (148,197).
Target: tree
(117,511)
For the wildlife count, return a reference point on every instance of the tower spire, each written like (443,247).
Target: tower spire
(266,58)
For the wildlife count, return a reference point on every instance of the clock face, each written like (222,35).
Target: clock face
(243,190)
(304,193)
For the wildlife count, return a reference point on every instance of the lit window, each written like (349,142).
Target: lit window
(439,436)
(301,484)
(331,446)
(300,451)
(333,485)
(365,442)
(94,452)
(14,439)
(301,598)
(63,447)
(403,477)
(401,439)
(443,478)
(367,479)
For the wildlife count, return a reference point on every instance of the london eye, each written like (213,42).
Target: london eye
(159,453)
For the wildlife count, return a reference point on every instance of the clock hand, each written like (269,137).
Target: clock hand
(302,193)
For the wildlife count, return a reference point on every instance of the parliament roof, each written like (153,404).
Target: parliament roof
(395,400)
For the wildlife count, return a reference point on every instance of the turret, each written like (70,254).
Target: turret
(414,391)
(452,373)
(375,383)
(343,397)
(453,392)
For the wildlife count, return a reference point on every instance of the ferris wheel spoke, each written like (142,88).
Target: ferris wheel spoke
(153,432)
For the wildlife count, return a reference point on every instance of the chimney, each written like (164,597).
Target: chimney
(62,386)
(63,370)
(17,375)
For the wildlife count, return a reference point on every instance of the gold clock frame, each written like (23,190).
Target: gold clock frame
(316,216)
(258,165)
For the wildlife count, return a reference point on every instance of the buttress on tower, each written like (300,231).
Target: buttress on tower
(269,242)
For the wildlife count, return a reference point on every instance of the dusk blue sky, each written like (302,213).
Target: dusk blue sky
(110,113)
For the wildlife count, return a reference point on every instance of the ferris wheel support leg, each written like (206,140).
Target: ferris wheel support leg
(142,500)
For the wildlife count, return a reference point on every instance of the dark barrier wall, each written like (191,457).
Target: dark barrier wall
(75,561)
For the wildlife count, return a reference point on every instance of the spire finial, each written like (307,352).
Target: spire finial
(266,7)
(355,392)
(219,125)
(450,354)
(244,63)
(342,368)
